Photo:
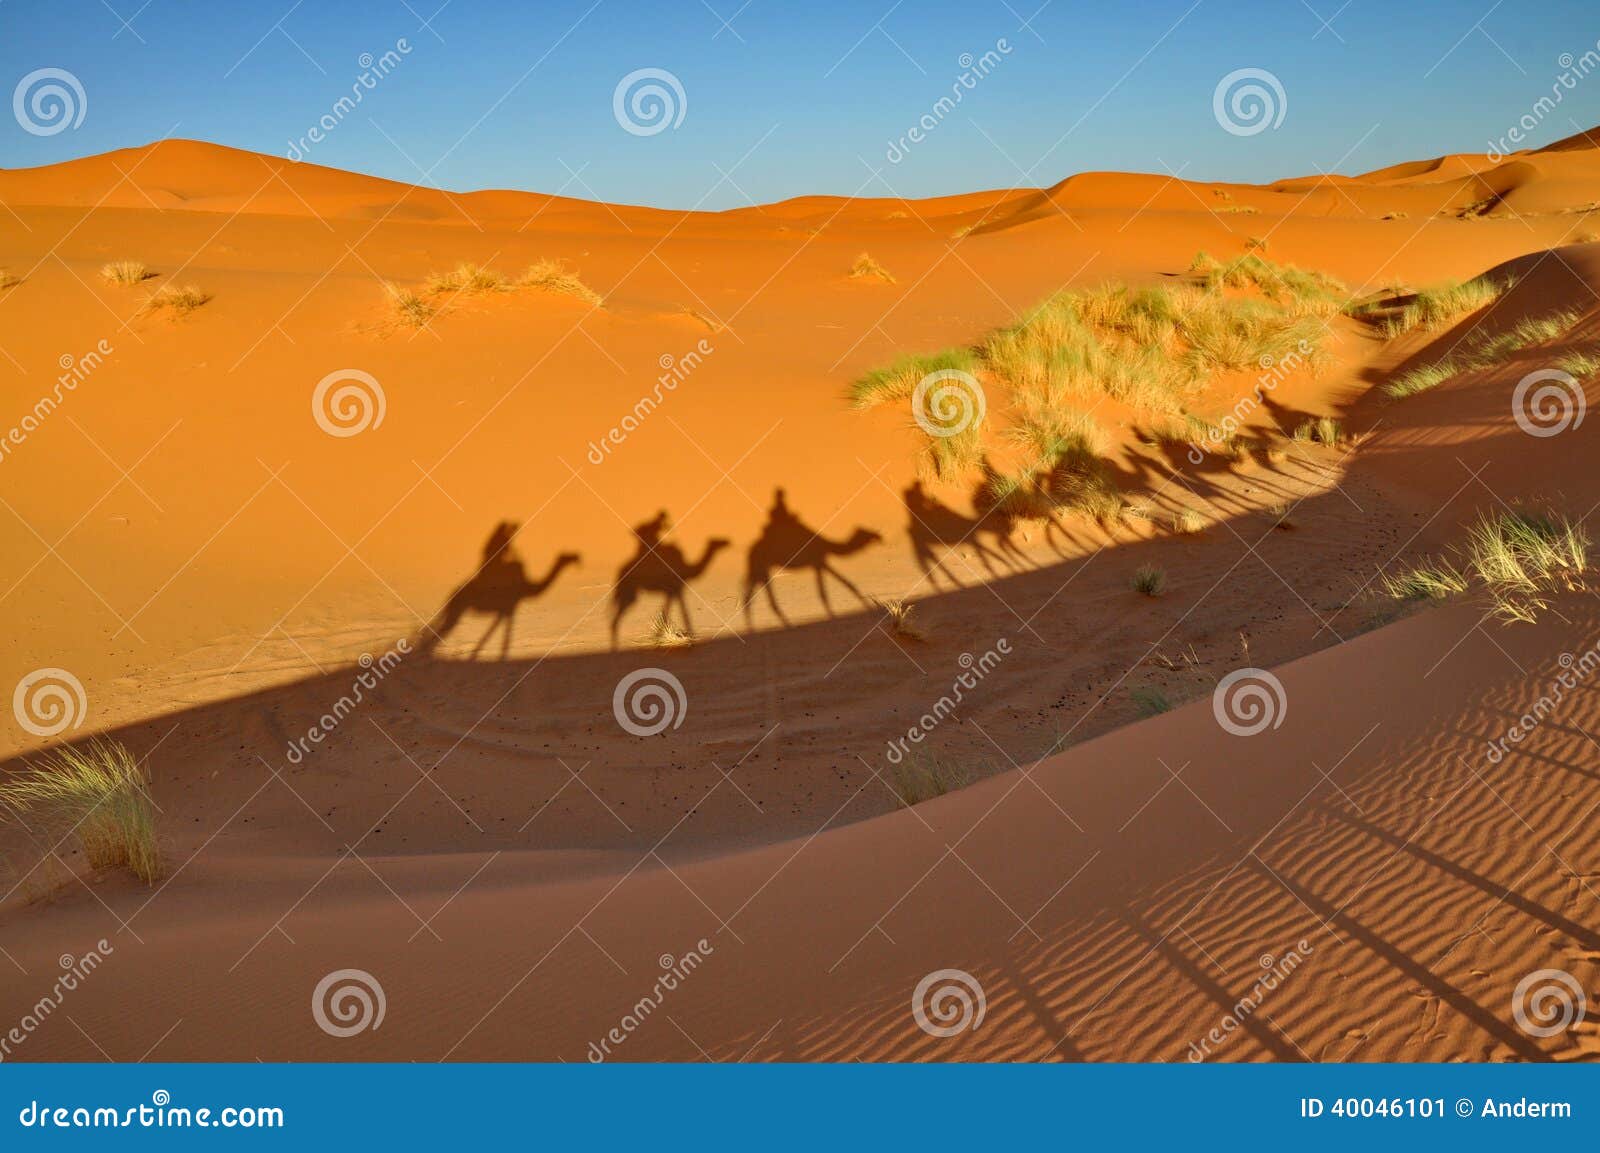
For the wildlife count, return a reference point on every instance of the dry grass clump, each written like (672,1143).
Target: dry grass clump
(180,300)
(1187,520)
(1579,364)
(1149,580)
(866,268)
(1323,430)
(900,379)
(924,775)
(901,616)
(125,272)
(1488,351)
(1302,292)
(1434,308)
(1519,557)
(8,279)
(553,276)
(663,634)
(100,794)
(465,278)
(410,307)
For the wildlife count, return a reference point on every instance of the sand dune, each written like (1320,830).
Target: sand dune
(186,538)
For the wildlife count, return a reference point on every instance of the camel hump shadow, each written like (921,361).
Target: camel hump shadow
(660,567)
(496,589)
(786,542)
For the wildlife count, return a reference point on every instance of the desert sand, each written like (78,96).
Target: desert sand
(480,834)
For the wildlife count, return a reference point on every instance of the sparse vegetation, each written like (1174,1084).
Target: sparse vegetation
(901,617)
(866,268)
(125,272)
(925,774)
(8,279)
(410,307)
(1149,580)
(1434,308)
(899,380)
(1519,557)
(98,793)
(1579,364)
(553,276)
(663,634)
(1187,520)
(1282,518)
(1488,351)
(180,300)
(465,278)
(1149,701)
(1323,430)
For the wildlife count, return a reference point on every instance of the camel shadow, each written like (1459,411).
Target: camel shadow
(933,525)
(786,543)
(660,568)
(496,589)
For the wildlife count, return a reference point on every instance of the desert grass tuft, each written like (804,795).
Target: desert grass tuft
(899,380)
(924,775)
(1149,580)
(8,279)
(1323,430)
(901,617)
(1149,701)
(99,793)
(663,634)
(1421,379)
(553,276)
(1521,557)
(1435,307)
(411,308)
(1430,581)
(1188,521)
(866,268)
(125,272)
(180,300)
(465,278)
(1579,364)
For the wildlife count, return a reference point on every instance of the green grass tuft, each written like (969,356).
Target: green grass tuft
(99,793)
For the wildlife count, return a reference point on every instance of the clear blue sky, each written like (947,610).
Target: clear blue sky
(795,98)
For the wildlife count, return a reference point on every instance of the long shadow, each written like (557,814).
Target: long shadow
(787,543)
(499,585)
(659,566)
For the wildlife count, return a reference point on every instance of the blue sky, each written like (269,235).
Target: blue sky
(784,99)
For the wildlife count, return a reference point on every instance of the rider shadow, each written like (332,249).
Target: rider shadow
(933,525)
(786,542)
(660,568)
(496,589)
